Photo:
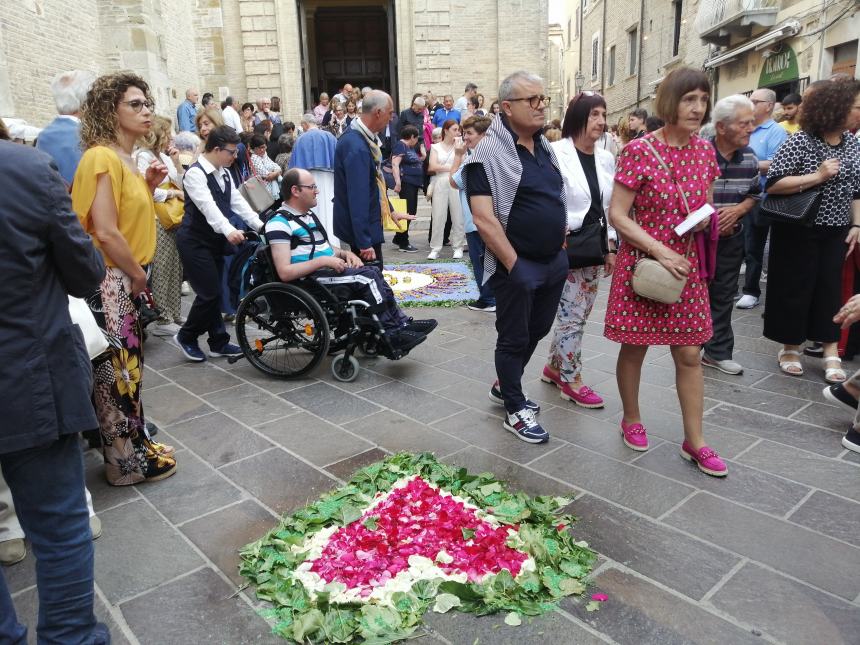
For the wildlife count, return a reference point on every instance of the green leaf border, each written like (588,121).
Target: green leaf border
(562,562)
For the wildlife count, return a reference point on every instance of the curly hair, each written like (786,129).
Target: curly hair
(159,136)
(827,108)
(99,123)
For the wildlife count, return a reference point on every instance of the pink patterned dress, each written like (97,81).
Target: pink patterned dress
(659,208)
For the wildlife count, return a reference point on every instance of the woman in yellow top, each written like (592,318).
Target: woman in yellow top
(114,202)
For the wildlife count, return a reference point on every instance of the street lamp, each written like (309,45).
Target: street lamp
(579,81)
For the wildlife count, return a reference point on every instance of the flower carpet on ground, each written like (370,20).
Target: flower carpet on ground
(438,284)
(364,562)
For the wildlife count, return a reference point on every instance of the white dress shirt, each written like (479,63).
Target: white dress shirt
(232,118)
(196,186)
(145,157)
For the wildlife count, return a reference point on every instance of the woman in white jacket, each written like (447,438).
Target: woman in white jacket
(588,173)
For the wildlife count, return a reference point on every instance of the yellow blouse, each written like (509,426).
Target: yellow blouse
(134,206)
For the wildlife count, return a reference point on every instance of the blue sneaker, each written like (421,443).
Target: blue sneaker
(525,426)
(191,350)
(496,397)
(227,349)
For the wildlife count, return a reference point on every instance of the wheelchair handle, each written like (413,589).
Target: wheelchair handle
(252,236)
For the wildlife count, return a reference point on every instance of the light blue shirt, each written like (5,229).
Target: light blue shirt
(766,140)
(443,115)
(468,222)
(186,114)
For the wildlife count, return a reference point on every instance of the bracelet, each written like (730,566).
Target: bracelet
(613,251)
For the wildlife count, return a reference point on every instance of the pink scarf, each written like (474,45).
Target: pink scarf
(706,249)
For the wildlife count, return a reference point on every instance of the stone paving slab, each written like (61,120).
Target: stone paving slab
(770,554)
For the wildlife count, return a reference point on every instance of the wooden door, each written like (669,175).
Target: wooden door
(352,47)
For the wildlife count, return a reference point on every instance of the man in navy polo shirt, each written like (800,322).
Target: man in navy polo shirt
(765,141)
(515,191)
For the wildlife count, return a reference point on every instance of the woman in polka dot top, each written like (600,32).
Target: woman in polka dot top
(805,266)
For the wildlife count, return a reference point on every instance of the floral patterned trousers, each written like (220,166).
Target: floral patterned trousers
(118,379)
(577,301)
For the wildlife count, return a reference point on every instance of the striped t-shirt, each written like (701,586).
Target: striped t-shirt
(289,228)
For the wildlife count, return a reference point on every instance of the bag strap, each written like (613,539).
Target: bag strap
(647,142)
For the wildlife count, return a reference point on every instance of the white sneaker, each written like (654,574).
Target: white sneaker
(727,366)
(434,254)
(186,289)
(747,302)
(458,254)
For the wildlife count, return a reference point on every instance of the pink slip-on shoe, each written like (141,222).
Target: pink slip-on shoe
(634,436)
(586,397)
(706,459)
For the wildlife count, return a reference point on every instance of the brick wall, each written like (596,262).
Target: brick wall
(36,48)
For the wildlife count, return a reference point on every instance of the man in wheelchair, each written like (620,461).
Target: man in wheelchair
(299,246)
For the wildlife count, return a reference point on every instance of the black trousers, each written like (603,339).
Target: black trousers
(804,283)
(526,302)
(203,266)
(756,228)
(409,192)
(721,290)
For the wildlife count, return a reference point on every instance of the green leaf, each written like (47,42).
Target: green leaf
(489,489)
(468,534)
(570,586)
(339,625)
(445,602)
(349,514)
(513,619)
(371,523)
(552,581)
(529,580)
(573,569)
(378,621)
(462,591)
(425,589)
(592,606)
(307,624)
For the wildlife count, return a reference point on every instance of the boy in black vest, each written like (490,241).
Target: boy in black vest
(204,238)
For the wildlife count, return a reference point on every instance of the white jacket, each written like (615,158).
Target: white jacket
(576,185)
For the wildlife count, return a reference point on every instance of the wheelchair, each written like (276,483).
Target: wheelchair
(286,329)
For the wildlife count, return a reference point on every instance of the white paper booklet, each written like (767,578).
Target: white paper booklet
(694,218)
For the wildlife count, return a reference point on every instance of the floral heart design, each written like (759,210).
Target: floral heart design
(416,519)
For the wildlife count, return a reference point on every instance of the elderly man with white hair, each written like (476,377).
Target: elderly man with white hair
(314,151)
(62,139)
(736,192)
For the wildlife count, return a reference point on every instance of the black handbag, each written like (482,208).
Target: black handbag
(588,246)
(796,208)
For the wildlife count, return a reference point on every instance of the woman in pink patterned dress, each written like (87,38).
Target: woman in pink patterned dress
(641,182)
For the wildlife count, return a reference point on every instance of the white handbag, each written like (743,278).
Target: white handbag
(93,336)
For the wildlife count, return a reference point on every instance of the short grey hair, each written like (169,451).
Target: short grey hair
(708,131)
(506,89)
(769,95)
(726,108)
(365,90)
(375,100)
(186,141)
(310,118)
(324,95)
(70,89)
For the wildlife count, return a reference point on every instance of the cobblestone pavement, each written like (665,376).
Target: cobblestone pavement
(770,554)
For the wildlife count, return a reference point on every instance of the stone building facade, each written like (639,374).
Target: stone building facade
(624,48)
(252,48)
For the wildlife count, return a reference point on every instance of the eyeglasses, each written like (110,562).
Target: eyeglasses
(137,105)
(757,101)
(313,187)
(233,151)
(534,101)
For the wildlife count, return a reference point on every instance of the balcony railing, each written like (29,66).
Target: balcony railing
(718,20)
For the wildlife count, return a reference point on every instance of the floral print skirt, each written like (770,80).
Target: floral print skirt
(118,379)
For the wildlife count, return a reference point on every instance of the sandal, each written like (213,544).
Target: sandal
(792,368)
(834,375)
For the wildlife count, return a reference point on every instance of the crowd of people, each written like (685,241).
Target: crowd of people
(121,209)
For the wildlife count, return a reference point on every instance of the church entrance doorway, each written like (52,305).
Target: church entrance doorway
(347,41)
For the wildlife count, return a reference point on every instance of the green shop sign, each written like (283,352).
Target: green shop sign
(779,67)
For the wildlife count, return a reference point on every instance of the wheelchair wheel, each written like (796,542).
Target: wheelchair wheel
(282,330)
(343,370)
